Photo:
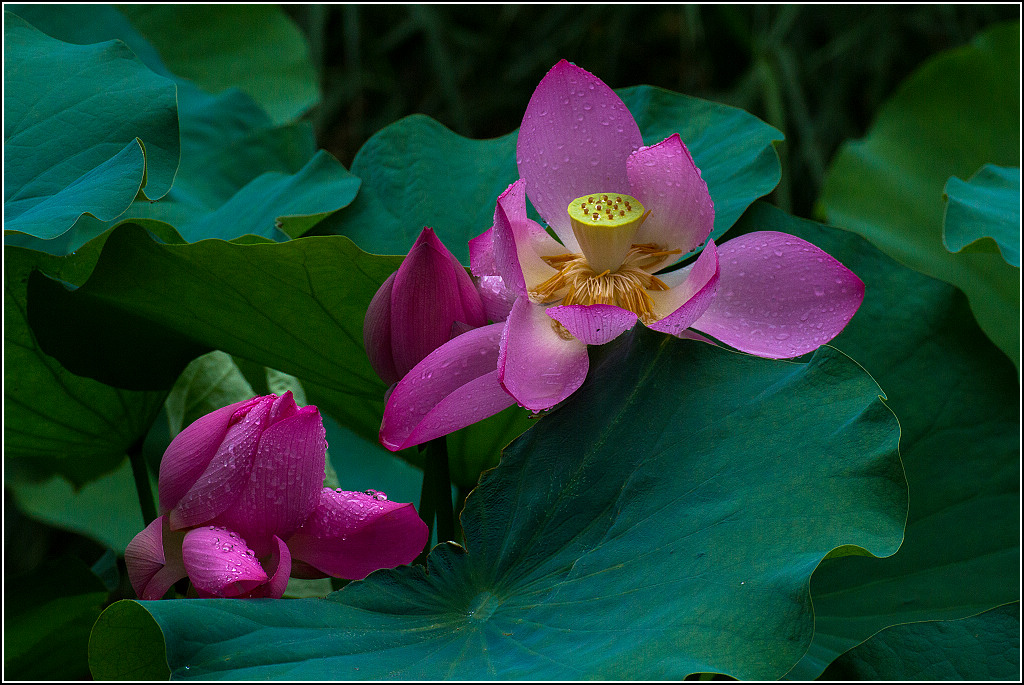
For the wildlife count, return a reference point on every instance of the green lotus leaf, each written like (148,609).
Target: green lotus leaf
(86,129)
(956,398)
(418,173)
(665,520)
(958,111)
(986,206)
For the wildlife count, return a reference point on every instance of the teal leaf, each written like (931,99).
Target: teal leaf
(958,111)
(86,129)
(48,614)
(983,647)
(240,172)
(956,396)
(665,520)
(418,173)
(255,48)
(986,206)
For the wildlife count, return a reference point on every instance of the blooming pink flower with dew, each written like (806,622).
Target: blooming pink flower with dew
(243,507)
(419,308)
(623,212)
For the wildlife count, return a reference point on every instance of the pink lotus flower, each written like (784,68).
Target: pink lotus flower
(622,213)
(418,308)
(241,497)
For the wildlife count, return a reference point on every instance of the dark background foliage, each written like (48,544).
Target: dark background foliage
(817,73)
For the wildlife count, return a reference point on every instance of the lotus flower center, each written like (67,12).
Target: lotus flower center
(612,269)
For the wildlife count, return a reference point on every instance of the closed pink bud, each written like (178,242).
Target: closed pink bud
(418,308)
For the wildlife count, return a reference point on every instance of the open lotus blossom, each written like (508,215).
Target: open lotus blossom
(623,212)
(419,308)
(243,507)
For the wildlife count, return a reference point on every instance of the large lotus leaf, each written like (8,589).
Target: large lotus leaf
(86,128)
(47,618)
(665,520)
(55,421)
(956,397)
(983,647)
(256,48)
(986,206)
(960,110)
(416,172)
(150,308)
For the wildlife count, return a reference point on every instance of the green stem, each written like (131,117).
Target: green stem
(142,484)
(437,463)
(427,508)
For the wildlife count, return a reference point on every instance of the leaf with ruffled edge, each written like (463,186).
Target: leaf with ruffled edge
(665,520)
(86,129)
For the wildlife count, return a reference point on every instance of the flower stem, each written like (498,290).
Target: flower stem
(426,509)
(142,485)
(437,463)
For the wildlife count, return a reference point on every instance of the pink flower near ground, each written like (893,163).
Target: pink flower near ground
(242,501)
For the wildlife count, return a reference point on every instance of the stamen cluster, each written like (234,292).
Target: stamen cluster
(627,287)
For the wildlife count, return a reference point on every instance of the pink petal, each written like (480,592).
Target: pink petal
(454,386)
(152,570)
(281,563)
(779,296)
(575,138)
(377,333)
(665,179)
(536,365)
(520,242)
(352,534)
(221,482)
(506,256)
(219,563)
(686,302)
(283,407)
(496,296)
(481,254)
(472,308)
(594,324)
(190,453)
(285,481)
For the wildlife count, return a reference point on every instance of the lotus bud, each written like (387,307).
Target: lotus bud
(419,308)
(255,467)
